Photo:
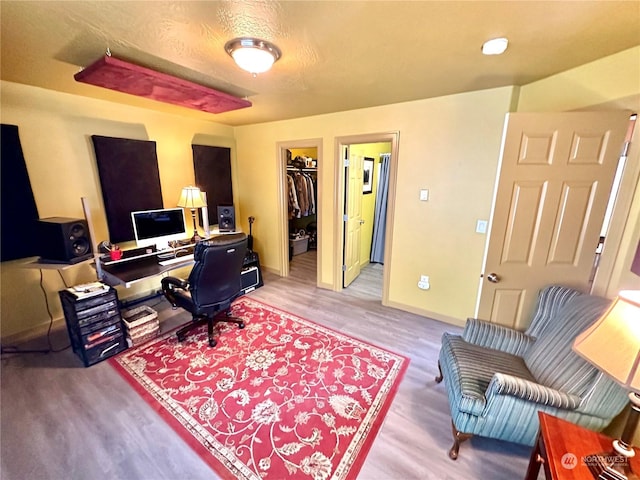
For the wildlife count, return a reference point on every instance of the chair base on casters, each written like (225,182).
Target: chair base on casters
(224,316)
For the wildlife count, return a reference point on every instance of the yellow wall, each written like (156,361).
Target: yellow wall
(311,152)
(448,144)
(613,78)
(55,132)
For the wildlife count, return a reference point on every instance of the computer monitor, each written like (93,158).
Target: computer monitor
(159,227)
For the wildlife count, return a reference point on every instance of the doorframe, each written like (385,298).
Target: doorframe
(393,138)
(283,202)
(612,257)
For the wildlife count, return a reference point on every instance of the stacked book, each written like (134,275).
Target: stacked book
(142,324)
(87,290)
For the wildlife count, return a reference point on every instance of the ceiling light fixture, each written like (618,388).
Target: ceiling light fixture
(253,55)
(495,46)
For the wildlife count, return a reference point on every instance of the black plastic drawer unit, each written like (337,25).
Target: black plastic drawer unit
(94,325)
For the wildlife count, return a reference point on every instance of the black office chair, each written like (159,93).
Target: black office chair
(213,284)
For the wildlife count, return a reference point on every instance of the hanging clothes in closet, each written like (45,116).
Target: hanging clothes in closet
(302,196)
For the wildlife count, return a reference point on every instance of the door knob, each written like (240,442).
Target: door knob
(493,278)
(361,222)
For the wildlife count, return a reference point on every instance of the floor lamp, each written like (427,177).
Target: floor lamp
(191,198)
(612,344)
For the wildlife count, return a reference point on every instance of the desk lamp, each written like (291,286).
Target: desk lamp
(612,344)
(191,198)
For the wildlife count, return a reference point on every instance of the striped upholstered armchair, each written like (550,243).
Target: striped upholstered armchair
(497,378)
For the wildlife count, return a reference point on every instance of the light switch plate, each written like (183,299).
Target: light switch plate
(424,195)
(481,226)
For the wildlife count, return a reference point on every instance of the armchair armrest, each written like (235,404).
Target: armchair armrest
(169,284)
(502,384)
(498,337)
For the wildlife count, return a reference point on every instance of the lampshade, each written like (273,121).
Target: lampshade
(191,197)
(252,54)
(612,343)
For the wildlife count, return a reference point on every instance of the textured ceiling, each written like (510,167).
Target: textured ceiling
(337,56)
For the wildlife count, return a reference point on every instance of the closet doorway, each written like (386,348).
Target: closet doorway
(366,173)
(299,170)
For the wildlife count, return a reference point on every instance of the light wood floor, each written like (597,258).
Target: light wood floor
(63,421)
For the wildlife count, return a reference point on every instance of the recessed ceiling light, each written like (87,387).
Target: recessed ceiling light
(253,55)
(495,46)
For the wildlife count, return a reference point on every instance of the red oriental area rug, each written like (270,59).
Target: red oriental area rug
(281,398)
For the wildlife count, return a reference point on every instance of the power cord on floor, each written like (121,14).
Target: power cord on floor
(12,349)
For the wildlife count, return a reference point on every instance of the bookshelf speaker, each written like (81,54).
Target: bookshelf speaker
(226,218)
(64,240)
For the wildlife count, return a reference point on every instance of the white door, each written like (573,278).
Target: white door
(353,208)
(555,175)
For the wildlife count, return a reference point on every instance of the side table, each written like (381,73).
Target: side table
(565,450)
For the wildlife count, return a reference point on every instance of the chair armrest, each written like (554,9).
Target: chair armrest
(169,284)
(502,384)
(498,337)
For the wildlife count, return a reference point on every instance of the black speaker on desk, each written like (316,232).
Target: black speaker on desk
(226,218)
(64,240)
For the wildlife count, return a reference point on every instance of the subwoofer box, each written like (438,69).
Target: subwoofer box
(226,218)
(64,240)
(250,279)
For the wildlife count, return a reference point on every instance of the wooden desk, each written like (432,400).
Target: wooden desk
(128,273)
(564,448)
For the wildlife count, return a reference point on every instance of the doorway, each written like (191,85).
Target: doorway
(300,193)
(357,181)
(366,180)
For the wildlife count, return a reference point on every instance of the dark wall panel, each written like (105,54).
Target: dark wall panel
(212,167)
(129,179)
(18,213)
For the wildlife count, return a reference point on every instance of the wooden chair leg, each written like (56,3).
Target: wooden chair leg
(458,438)
(439,377)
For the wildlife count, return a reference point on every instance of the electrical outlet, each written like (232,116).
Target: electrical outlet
(424,195)
(423,284)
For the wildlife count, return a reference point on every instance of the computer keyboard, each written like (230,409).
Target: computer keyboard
(179,259)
